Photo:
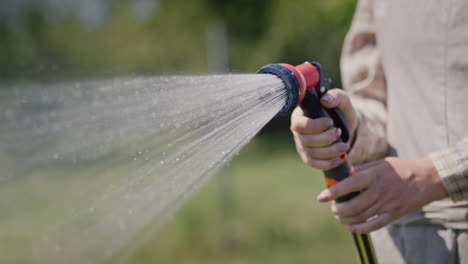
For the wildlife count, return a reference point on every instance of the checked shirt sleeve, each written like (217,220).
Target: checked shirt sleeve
(452,166)
(363,78)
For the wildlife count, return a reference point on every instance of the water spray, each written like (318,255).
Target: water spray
(306,84)
(105,163)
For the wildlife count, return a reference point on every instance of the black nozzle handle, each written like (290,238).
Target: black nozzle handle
(313,109)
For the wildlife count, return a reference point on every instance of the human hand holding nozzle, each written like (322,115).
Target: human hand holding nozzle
(391,188)
(315,138)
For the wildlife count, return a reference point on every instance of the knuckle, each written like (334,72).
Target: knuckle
(300,151)
(307,160)
(341,95)
(300,138)
(295,126)
(292,127)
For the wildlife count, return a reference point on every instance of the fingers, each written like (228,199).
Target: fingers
(372,224)
(356,206)
(321,164)
(329,152)
(317,140)
(303,125)
(361,218)
(357,182)
(340,99)
(336,98)
(314,141)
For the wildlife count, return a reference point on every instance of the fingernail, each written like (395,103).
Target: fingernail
(337,132)
(343,147)
(351,229)
(324,196)
(327,98)
(329,122)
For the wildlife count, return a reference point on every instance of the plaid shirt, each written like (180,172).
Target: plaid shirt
(364,78)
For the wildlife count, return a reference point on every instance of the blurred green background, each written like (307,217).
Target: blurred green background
(261,209)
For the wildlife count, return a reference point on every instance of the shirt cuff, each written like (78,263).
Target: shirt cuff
(452,166)
(369,141)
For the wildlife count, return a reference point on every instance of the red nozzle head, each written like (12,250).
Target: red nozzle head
(306,74)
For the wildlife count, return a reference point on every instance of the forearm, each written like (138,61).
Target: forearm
(364,79)
(370,141)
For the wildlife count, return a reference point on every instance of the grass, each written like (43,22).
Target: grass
(268,214)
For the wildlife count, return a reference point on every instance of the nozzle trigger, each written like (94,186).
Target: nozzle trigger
(321,89)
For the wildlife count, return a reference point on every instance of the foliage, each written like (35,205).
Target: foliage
(174,39)
(276,219)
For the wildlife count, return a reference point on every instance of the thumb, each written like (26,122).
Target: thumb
(357,182)
(340,99)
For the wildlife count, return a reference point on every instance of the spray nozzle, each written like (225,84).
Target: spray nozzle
(297,80)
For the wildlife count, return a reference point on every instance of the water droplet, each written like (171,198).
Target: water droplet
(55,156)
(91,209)
(161,162)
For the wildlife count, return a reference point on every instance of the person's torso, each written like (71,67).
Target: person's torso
(424,45)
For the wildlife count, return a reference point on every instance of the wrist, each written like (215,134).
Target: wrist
(434,186)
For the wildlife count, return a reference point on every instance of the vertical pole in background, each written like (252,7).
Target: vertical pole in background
(218,48)
(218,62)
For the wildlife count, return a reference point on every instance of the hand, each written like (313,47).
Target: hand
(314,137)
(392,187)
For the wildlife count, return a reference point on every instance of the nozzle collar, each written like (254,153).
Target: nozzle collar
(291,84)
